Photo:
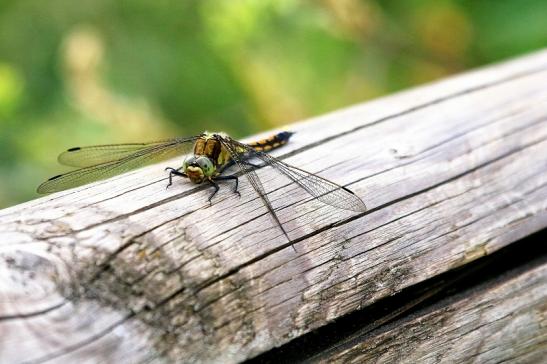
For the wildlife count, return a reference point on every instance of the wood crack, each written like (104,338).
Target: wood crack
(27,315)
(71,348)
(413,304)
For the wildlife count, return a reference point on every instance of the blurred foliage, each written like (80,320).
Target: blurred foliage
(99,71)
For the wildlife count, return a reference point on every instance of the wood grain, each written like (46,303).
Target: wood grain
(124,269)
(501,321)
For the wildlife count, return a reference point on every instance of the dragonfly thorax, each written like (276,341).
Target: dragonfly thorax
(198,168)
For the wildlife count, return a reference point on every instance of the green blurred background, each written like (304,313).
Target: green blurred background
(97,71)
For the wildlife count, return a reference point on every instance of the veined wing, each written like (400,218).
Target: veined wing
(98,154)
(322,189)
(154,152)
(237,155)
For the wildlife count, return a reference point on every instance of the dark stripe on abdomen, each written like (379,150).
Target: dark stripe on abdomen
(272,142)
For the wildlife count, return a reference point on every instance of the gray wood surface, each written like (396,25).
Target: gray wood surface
(498,322)
(124,269)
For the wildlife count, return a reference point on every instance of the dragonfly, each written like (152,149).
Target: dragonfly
(209,155)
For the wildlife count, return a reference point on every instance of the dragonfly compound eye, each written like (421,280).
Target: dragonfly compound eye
(188,161)
(206,165)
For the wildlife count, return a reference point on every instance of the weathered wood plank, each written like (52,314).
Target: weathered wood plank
(125,269)
(434,294)
(500,321)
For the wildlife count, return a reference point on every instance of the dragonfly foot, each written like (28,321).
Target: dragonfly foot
(173,172)
(215,185)
(224,178)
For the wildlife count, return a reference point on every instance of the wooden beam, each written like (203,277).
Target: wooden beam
(385,330)
(125,270)
(503,320)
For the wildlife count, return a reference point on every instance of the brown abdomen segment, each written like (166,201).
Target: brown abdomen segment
(275,141)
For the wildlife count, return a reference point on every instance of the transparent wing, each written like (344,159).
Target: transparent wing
(98,154)
(154,152)
(322,189)
(238,158)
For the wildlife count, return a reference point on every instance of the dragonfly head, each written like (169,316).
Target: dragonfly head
(198,168)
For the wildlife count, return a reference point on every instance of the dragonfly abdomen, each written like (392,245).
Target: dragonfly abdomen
(272,142)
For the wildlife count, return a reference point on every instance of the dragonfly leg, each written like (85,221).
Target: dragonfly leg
(224,178)
(173,172)
(215,185)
